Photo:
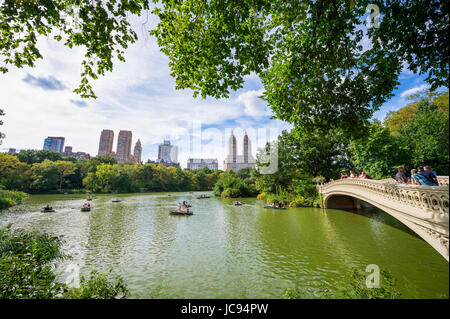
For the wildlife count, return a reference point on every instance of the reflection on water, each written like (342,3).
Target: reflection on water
(227,251)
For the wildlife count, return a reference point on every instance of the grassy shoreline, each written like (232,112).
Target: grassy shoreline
(11,198)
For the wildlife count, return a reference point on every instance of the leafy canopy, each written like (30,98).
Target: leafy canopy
(320,66)
(102,27)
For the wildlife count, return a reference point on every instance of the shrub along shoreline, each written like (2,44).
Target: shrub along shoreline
(27,262)
(10,198)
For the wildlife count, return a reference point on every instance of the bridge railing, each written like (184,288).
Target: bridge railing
(429,198)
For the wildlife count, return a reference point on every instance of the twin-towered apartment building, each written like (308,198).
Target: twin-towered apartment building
(123,150)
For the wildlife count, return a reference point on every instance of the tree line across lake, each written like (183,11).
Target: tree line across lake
(47,172)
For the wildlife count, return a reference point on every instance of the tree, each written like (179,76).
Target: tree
(38,156)
(394,120)
(9,164)
(102,27)
(426,138)
(314,153)
(310,55)
(44,176)
(378,152)
(64,168)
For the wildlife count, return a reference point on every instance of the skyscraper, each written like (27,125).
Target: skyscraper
(137,152)
(124,146)
(55,144)
(106,142)
(232,148)
(167,153)
(237,162)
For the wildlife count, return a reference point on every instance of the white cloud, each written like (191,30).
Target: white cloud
(414,90)
(253,103)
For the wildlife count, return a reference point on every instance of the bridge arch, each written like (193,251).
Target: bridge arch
(425,210)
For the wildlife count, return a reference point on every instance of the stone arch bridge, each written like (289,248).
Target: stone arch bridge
(424,209)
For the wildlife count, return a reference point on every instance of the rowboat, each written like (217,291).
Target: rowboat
(85,209)
(271,207)
(43,210)
(201,197)
(116,200)
(182,213)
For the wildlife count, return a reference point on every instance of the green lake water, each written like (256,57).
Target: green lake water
(227,251)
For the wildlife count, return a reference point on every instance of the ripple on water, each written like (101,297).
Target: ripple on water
(224,251)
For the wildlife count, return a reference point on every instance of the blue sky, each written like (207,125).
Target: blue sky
(139,95)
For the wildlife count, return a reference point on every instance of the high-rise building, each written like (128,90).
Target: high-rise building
(106,142)
(123,151)
(236,162)
(55,144)
(137,152)
(167,153)
(198,163)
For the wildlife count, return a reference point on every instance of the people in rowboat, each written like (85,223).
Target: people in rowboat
(48,207)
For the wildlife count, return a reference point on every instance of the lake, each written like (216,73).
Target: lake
(227,251)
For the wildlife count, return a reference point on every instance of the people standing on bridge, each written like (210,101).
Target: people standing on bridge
(344,175)
(401,176)
(352,174)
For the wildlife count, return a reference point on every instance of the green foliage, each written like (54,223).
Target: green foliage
(426,138)
(10,198)
(415,135)
(21,277)
(24,264)
(378,153)
(311,56)
(26,270)
(98,174)
(98,286)
(353,288)
(101,27)
(394,120)
(38,156)
(229,185)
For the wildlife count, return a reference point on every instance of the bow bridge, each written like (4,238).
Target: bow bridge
(424,209)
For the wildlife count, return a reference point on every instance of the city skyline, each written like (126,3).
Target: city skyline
(106,146)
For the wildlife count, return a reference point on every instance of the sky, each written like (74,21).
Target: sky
(139,95)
